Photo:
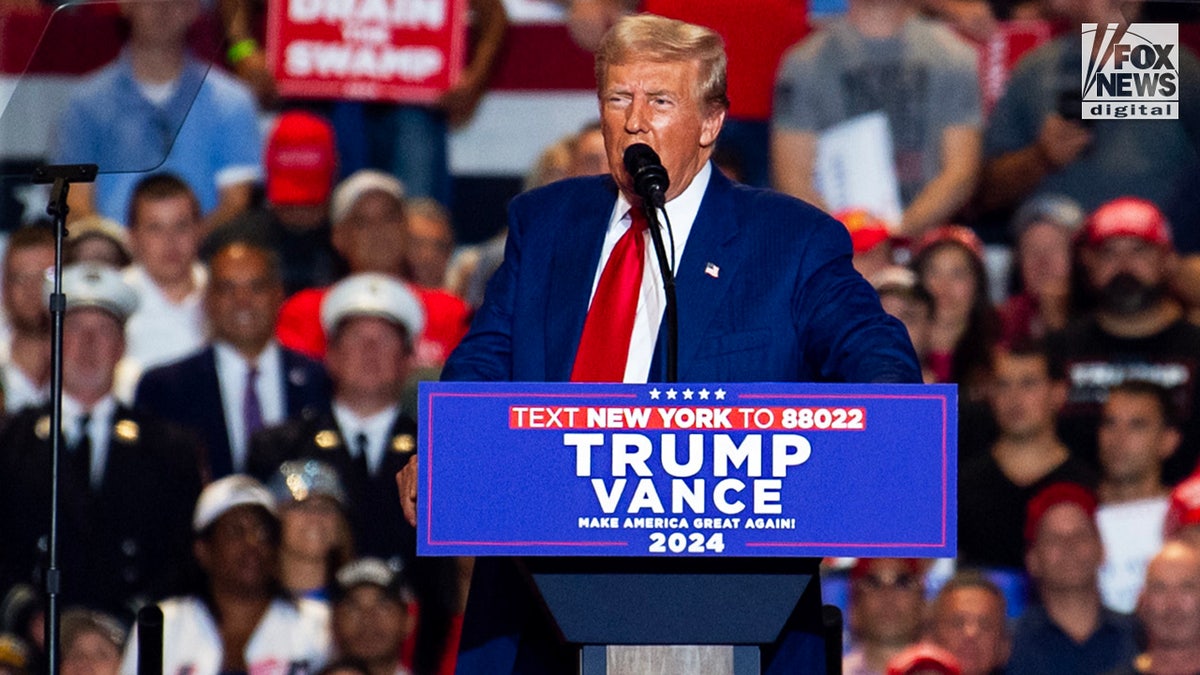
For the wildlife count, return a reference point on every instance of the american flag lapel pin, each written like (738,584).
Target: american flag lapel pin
(712,270)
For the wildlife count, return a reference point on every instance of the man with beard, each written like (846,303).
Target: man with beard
(1136,329)
(25,370)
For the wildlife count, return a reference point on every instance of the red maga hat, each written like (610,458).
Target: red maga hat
(1127,217)
(300,160)
(1051,496)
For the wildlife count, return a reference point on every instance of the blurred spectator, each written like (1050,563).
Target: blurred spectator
(430,243)
(924,659)
(92,643)
(14,656)
(903,298)
(243,380)
(348,667)
(994,489)
(238,618)
(28,257)
(887,602)
(98,239)
(24,615)
(315,539)
(1069,630)
(370,227)
(125,118)
(870,240)
(1183,512)
(1037,144)
(1136,330)
(128,481)
(1043,228)
(1138,432)
(1169,611)
(301,163)
(371,615)
(968,620)
(588,156)
(406,140)
(884,57)
(949,264)
(367,436)
(164,232)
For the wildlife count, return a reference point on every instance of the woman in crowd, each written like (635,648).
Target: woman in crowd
(949,265)
(315,534)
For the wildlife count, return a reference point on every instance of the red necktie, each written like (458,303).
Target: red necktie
(604,347)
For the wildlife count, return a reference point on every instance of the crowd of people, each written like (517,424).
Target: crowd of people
(244,331)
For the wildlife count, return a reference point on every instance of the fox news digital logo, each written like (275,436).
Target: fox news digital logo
(1131,72)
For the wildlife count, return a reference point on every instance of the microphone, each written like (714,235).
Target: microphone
(650,180)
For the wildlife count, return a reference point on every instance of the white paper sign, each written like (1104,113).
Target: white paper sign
(855,169)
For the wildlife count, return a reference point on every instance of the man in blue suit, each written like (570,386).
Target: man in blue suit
(766,289)
(243,380)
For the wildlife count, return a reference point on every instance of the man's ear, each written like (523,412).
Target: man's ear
(710,127)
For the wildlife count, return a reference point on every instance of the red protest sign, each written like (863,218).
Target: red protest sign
(377,50)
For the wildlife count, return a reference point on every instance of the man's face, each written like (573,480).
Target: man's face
(1044,252)
(1134,438)
(1067,552)
(165,237)
(24,294)
(371,236)
(657,104)
(886,603)
(93,343)
(368,357)
(914,314)
(1169,606)
(240,551)
(1128,273)
(589,157)
(969,623)
(243,298)
(429,247)
(1023,397)
(369,625)
(91,654)
(160,22)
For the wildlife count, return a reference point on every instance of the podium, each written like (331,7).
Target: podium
(685,514)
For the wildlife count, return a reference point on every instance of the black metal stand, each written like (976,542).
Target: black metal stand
(60,177)
(670,312)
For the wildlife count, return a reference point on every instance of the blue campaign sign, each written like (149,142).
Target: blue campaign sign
(687,469)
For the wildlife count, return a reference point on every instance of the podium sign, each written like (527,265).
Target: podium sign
(704,470)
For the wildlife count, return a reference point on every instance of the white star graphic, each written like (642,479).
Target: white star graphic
(703,394)
(720,394)
(687,394)
(671,394)
(655,393)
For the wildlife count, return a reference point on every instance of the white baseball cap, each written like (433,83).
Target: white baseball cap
(222,495)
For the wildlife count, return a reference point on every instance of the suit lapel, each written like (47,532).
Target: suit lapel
(208,391)
(710,261)
(577,244)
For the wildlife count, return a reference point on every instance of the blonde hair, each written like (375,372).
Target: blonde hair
(647,37)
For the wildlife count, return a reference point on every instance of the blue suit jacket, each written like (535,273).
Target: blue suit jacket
(783,304)
(188,393)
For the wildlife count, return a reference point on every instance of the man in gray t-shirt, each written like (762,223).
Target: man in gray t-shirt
(918,73)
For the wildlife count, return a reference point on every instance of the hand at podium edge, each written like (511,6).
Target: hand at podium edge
(406,483)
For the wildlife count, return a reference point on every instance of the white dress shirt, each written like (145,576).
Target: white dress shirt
(232,369)
(376,428)
(652,301)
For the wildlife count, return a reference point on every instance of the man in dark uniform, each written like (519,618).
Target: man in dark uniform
(128,482)
(373,321)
